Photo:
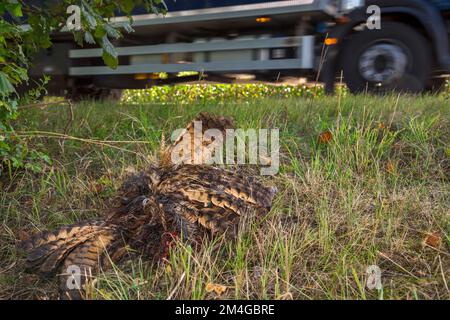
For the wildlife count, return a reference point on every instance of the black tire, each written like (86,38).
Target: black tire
(414,48)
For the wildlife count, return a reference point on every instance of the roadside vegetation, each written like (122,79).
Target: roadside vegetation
(364,180)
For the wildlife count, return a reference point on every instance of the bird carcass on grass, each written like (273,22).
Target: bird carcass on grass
(187,200)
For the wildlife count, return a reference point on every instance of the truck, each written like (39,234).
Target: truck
(371,46)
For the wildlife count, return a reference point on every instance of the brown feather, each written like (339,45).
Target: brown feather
(89,258)
(46,254)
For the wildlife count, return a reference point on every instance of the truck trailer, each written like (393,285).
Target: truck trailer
(372,45)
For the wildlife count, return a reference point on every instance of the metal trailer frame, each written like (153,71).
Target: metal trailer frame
(229,12)
(305,44)
(304,60)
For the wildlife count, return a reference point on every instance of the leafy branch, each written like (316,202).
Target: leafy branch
(24,30)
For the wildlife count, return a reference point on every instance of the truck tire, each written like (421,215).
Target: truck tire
(393,58)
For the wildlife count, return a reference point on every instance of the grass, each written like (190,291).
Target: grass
(371,195)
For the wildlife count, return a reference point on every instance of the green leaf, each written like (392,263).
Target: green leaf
(109,53)
(112,32)
(109,60)
(90,19)
(126,6)
(5,86)
(4,146)
(108,10)
(46,158)
(15,9)
(89,38)
(78,37)
(99,32)
(127,27)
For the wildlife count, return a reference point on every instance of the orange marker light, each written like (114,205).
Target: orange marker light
(263,19)
(140,76)
(331,41)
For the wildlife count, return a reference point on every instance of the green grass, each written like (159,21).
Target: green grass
(369,196)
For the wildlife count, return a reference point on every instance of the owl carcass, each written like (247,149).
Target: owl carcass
(184,199)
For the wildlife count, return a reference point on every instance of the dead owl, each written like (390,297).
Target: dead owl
(166,199)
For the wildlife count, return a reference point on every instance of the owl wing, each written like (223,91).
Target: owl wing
(88,258)
(213,198)
(82,245)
